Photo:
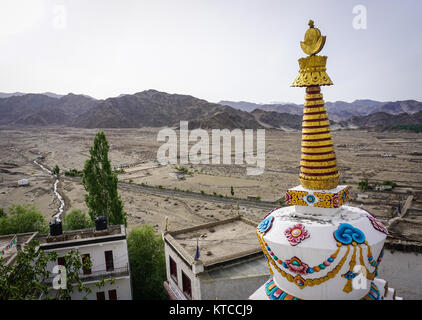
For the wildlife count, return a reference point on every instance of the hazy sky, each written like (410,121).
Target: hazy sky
(211,49)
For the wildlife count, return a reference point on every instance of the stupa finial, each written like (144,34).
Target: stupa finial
(314,41)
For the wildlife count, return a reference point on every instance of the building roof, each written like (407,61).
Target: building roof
(10,252)
(219,242)
(253,267)
(82,237)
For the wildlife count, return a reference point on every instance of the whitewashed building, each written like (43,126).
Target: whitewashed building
(107,250)
(230,263)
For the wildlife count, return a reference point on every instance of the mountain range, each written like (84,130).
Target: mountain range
(337,111)
(152,108)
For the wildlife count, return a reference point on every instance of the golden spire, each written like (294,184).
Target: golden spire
(318,165)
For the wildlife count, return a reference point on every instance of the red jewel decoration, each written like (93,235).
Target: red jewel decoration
(296,234)
(335,200)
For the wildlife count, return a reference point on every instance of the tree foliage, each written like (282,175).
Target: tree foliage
(29,278)
(147,263)
(77,219)
(56,170)
(100,182)
(23,218)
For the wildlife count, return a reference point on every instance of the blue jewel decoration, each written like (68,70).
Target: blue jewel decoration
(350,275)
(346,234)
(310,198)
(266,224)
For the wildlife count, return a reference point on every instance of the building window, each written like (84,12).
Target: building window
(109,260)
(173,269)
(60,261)
(101,295)
(86,259)
(186,285)
(112,294)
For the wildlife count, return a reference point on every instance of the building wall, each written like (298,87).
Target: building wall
(232,288)
(181,265)
(96,252)
(403,271)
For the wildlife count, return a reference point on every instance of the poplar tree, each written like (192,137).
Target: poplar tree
(100,182)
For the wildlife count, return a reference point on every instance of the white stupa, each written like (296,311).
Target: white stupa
(320,248)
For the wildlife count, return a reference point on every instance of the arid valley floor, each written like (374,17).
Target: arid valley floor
(376,156)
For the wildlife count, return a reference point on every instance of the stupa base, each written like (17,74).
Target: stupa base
(379,291)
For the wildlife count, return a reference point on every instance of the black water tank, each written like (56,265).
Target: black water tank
(56,228)
(100,223)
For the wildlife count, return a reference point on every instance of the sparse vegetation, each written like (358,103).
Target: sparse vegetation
(184,170)
(73,173)
(56,170)
(23,218)
(364,185)
(409,127)
(389,183)
(77,219)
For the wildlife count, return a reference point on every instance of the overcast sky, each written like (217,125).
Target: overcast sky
(211,49)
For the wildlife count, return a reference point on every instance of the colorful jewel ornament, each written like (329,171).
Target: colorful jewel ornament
(296,234)
(298,280)
(310,198)
(317,199)
(346,234)
(275,293)
(296,265)
(266,224)
(377,224)
(350,237)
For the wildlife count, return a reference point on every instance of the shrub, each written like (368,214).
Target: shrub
(23,218)
(77,219)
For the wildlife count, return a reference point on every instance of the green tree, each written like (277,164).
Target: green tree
(28,278)
(147,264)
(100,182)
(23,218)
(232,191)
(2,213)
(56,170)
(77,219)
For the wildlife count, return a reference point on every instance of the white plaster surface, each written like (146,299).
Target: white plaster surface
(318,247)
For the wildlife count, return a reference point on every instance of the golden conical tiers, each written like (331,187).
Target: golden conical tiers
(318,165)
